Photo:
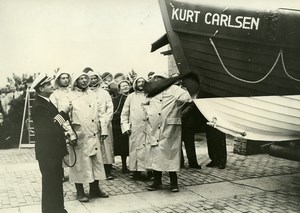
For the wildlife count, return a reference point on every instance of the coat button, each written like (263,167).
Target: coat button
(94,134)
(157,140)
(93,120)
(159,113)
(96,148)
(160,100)
(158,127)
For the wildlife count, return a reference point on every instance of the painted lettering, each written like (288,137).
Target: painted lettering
(215,19)
(175,13)
(255,23)
(182,15)
(189,15)
(207,18)
(243,22)
(224,20)
(185,15)
(238,20)
(247,23)
(196,15)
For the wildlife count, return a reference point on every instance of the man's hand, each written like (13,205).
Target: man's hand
(103,137)
(68,108)
(128,132)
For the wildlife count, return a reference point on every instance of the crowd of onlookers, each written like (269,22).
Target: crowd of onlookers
(9,95)
(113,115)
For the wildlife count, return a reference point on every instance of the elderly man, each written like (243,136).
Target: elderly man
(50,146)
(133,123)
(90,131)
(163,148)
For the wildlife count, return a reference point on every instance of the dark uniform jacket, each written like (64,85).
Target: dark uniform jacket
(49,135)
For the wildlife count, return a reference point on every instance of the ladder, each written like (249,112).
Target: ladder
(30,127)
(29,98)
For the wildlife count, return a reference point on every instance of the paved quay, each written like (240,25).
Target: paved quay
(256,183)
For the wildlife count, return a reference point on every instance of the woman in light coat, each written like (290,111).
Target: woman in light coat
(86,123)
(163,149)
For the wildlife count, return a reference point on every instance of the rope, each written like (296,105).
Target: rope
(284,68)
(240,79)
(75,160)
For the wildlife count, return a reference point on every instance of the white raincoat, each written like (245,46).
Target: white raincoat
(133,117)
(86,123)
(163,149)
(61,98)
(61,95)
(106,117)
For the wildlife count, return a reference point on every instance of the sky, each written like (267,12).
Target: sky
(108,36)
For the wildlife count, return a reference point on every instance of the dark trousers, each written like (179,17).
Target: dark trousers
(216,144)
(157,178)
(52,186)
(188,137)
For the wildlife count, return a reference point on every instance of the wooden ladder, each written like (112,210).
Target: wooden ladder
(29,98)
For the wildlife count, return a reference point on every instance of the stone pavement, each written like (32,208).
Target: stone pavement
(256,183)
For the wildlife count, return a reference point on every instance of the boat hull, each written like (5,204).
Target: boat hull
(230,61)
(264,118)
(246,61)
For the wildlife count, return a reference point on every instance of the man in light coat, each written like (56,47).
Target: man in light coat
(106,116)
(61,95)
(133,123)
(163,148)
(86,121)
(61,98)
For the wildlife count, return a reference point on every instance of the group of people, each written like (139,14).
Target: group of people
(7,95)
(102,116)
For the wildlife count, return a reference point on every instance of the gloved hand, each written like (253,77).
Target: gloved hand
(128,132)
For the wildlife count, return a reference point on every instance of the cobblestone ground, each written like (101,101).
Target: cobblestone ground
(20,183)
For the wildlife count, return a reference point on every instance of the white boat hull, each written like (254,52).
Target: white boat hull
(263,118)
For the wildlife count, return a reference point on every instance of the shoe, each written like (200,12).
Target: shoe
(125,170)
(154,186)
(221,166)
(110,177)
(99,194)
(212,164)
(197,166)
(174,189)
(150,176)
(136,175)
(82,198)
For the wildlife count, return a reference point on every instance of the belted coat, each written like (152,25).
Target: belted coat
(163,148)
